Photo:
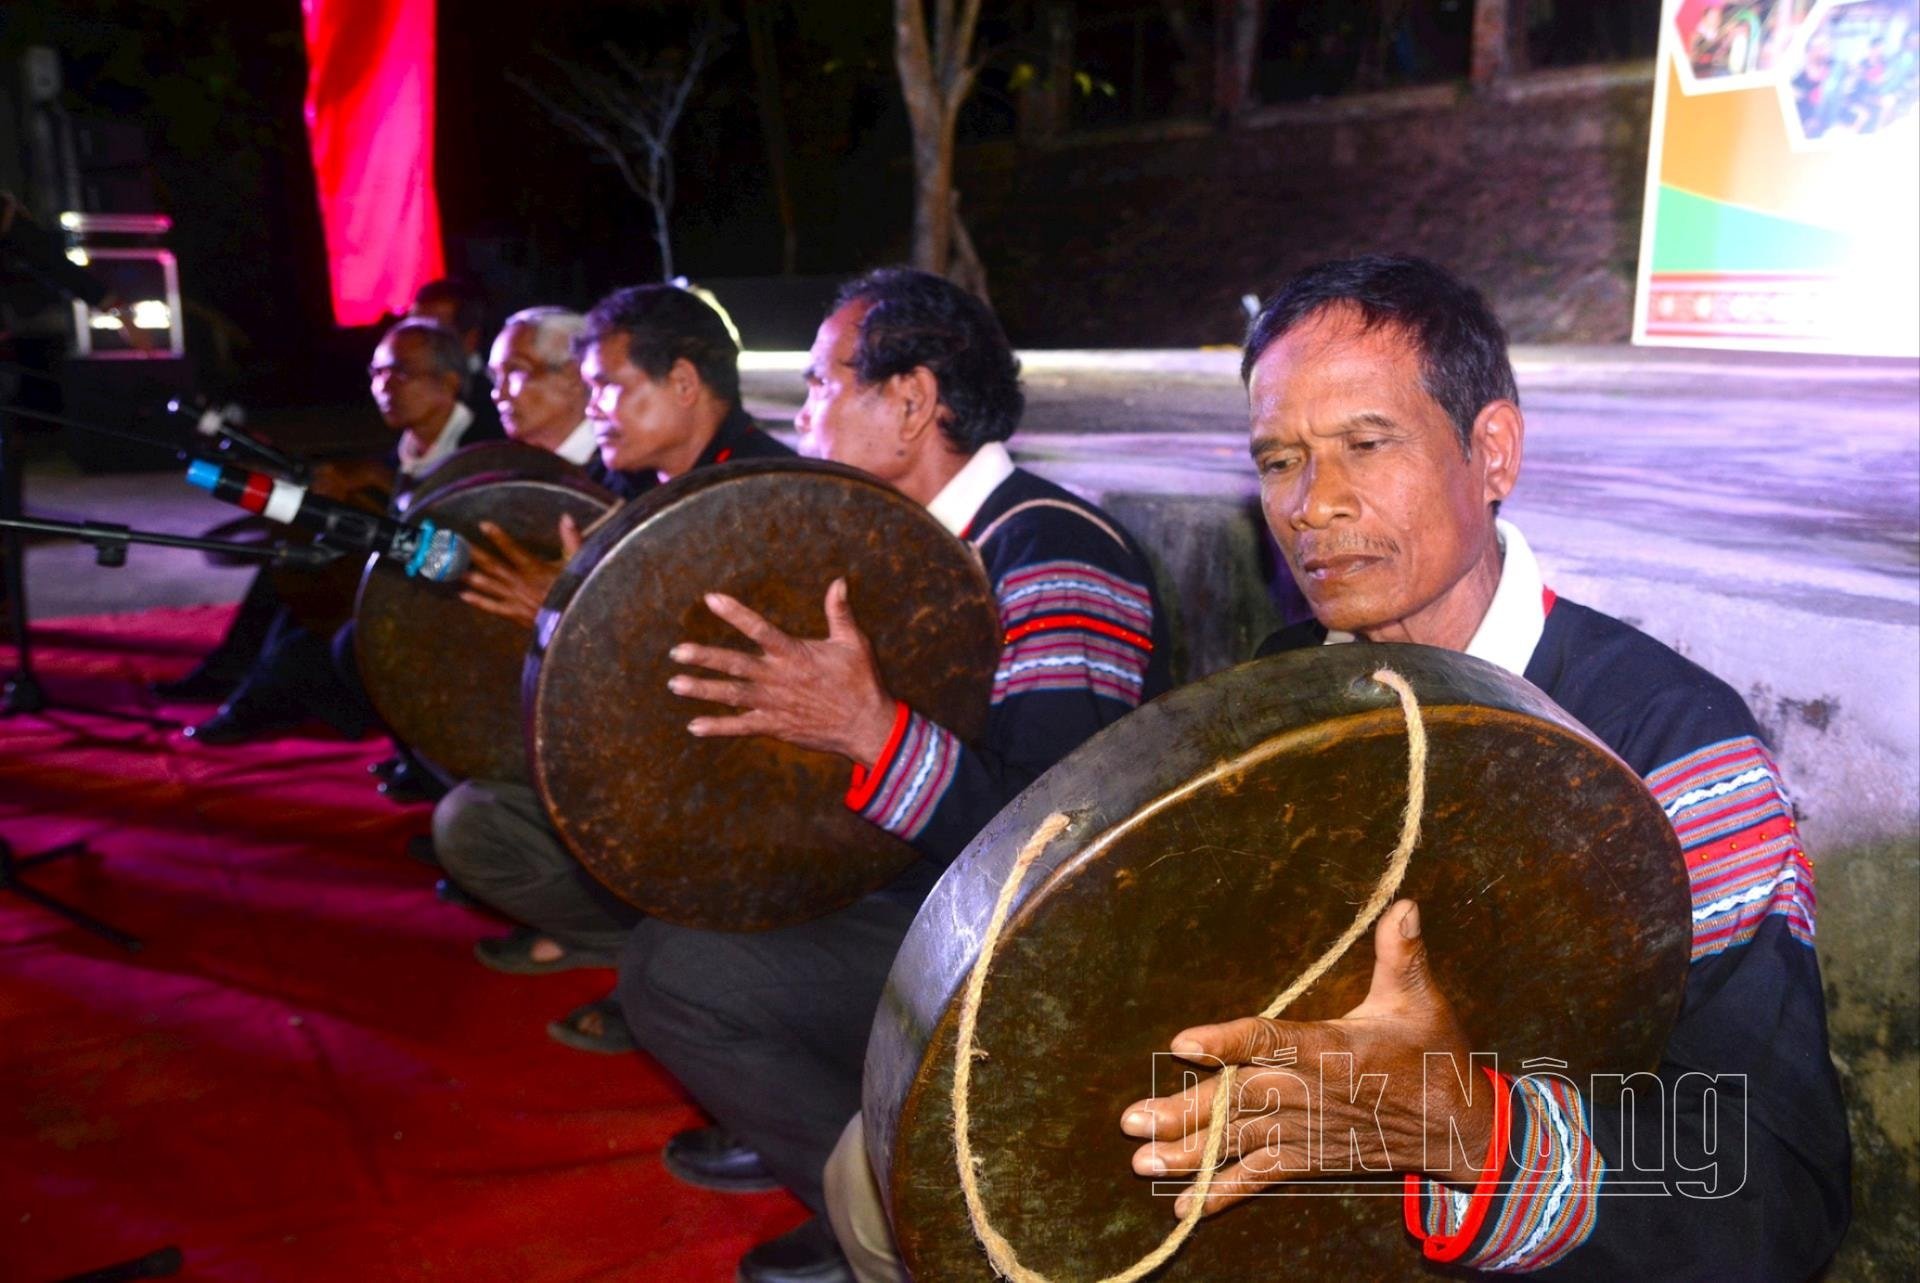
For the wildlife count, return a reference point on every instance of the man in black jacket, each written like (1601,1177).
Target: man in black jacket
(663,387)
(1386,430)
(912,380)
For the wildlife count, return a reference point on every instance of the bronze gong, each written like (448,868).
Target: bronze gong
(1221,838)
(749,833)
(515,457)
(445,676)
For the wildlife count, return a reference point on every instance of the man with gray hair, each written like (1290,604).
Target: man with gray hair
(537,385)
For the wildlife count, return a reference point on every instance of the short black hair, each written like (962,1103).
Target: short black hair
(1461,343)
(918,319)
(468,299)
(665,324)
(443,345)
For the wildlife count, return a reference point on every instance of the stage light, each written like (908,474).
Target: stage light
(152,314)
(78,257)
(104,321)
(71,221)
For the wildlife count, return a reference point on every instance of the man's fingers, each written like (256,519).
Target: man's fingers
(1235,1183)
(569,536)
(493,605)
(1170,1117)
(721,659)
(516,554)
(753,723)
(841,626)
(1400,970)
(713,691)
(483,559)
(1237,1042)
(489,582)
(757,630)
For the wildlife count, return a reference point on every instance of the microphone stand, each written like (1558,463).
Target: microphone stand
(110,542)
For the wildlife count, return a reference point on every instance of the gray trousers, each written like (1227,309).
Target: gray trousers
(494,840)
(767,1030)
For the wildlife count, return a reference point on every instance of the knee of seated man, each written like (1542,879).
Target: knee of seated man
(672,976)
(460,823)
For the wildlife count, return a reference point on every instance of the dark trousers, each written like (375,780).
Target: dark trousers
(495,842)
(767,1029)
(296,675)
(247,634)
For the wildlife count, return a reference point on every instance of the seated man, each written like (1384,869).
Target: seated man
(537,389)
(540,400)
(416,379)
(664,398)
(912,380)
(1386,430)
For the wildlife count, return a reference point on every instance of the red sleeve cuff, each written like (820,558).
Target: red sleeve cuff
(1451,1247)
(866,780)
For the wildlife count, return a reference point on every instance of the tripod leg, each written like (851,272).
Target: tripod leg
(154,1265)
(10,867)
(22,693)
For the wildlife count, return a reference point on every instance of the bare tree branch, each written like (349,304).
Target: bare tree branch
(630,115)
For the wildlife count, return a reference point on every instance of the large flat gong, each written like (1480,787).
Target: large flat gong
(742,834)
(444,676)
(1222,838)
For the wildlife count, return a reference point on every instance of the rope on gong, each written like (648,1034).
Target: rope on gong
(999,1251)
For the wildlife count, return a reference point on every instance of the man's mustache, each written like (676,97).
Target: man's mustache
(1328,547)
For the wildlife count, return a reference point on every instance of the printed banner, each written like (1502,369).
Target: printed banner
(1783,185)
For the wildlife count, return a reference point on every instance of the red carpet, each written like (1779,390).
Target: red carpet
(305,1075)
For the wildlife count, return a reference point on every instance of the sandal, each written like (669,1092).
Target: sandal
(597,1027)
(513,954)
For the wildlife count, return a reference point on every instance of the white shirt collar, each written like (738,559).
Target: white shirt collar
(414,462)
(1517,615)
(579,445)
(959,500)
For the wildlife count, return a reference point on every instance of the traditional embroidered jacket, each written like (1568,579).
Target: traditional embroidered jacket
(1742,1170)
(1083,644)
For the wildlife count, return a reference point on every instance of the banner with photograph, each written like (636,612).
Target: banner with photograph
(1783,185)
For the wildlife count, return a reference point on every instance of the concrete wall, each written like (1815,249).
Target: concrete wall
(1149,237)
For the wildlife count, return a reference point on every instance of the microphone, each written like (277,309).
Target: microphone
(226,423)
(424,551)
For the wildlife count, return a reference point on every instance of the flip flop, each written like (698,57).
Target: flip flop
(598,1027)
(513,954)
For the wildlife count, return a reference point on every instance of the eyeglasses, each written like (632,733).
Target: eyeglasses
(392,373)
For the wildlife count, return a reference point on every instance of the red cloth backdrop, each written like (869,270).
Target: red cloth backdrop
(370,127)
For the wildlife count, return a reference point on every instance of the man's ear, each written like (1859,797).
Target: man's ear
(1499,438)
(917,393)
(684,381)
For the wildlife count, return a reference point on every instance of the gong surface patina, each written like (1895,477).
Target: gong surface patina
(1195,882)
(444,675)
(742,833)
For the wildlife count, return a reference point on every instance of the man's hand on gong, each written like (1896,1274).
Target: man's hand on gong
(514,582)
(1382,1107)
(822,693)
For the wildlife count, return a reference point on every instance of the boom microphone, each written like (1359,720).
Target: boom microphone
(425,551)
(227,424)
